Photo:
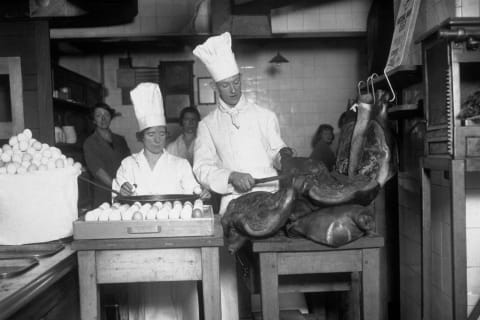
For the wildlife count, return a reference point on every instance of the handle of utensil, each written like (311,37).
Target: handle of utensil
(99,185)
(268,179)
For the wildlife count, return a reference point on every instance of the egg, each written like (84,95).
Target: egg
(186,212)
(104,206)
(151,213)
(21,170)
(70,161)
(28,133)
(92,215)
(114,215)
(198,203)
(197,213)
(177,203)
(176,211)
(44,160)
(37,146)
(77,166)
(162,214)
(32,168)
(13,141)
(6,157)
(11,168)
(116,205)
(158,204)
(60,163)
(26,164)
(197,190)
(104,215)
(51,164)
(3,170)
(137,216)
(42,167)
(127,215)
(167,204)
(27,157)
(46,154)
(145,208)
(17,157)
(55,152)
(45,146)
(6,147)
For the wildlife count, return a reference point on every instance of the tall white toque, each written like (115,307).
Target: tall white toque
(148,104)
(216,53)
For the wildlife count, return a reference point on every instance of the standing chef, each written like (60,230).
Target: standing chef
(236,142)
(154,171)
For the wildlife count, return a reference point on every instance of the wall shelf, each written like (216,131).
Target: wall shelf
(400,77)
(404,111)
(70,104)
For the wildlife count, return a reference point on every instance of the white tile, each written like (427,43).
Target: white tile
(473,243)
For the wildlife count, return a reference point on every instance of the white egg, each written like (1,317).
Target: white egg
(21,170)
(23,145)
(145,208)
(32,142)
(115,215)
(136,203)
(46,153)
(167,204)
(36,162)
(3,170)
(27,157)
(13,141)
(28,133)
(17,157)
(77,166)
(32,168)
(197,190)
(44,160)
(60,163)
(158,204)
(21,137)
(6,157)
(56,153)
(198,203)
(124,207)
(6,147)
(104,214)
(186,212)
(45,146)
(151,213)
(70,162)
(92,215)
(162,214)
(104,206)
(26,164)
(11,168)
(37,146)
(137,216)
(175,212)
(116,205)
(51,164)
(42,167)
(127,215)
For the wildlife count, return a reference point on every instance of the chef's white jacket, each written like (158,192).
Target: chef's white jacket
(171,175)
(221,147)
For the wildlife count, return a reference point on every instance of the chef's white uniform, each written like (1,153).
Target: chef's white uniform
(221,147)
(248,141)
(171,175)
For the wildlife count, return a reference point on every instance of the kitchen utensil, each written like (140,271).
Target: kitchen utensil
(280,177)
(99,185)
(37,250)
(11,267)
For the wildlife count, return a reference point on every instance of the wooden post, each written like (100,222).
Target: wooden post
(269,286)
(89,297)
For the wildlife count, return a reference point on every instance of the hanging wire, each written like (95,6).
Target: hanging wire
(372,77)
(359,85)
(389,85)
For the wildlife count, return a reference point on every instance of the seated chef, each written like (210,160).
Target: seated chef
(155,171)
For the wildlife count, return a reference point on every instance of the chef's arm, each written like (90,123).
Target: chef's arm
(242,182)
(206,164)
(278,149)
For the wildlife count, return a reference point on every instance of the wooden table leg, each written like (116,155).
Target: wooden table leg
(269,286)
(371,284)
(89,297)
(211,283)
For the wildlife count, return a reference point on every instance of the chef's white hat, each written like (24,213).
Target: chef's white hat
(216,53)
(148,104)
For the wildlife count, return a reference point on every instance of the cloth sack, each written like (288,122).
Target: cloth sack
(38,206)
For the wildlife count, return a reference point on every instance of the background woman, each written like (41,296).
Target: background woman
(321,142)
(104,151)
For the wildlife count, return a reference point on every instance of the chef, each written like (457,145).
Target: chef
(154,171)
(236,142)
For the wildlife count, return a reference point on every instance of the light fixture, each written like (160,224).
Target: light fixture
(278,59)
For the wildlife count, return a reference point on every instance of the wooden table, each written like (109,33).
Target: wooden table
(280,255)
(149,259)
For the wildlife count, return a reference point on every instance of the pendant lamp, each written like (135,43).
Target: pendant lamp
(278,59)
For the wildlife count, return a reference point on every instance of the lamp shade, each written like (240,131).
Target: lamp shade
(278,59)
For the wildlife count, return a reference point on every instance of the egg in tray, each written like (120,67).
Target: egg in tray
(159,219)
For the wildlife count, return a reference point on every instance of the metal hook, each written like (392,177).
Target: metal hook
(389,85)
(371,78)
(359,84)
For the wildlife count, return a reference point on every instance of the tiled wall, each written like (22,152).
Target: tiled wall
(312,88)
(344,15)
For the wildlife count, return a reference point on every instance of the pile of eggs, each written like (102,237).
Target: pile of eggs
(137,211)
(24,154)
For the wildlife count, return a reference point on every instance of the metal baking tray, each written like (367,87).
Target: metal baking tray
(12,267)
(156,197)
(36,250)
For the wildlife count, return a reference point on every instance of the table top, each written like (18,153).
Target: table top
(16,292)
(281,243)
(215,240)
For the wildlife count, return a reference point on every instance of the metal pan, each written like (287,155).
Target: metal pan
(156,197)
(16,266)
(38,250)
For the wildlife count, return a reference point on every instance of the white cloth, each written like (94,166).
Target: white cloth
(216,53)
(221,148)
(148,104)
(171,175)
(179,148)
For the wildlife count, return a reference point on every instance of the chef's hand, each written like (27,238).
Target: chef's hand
(242,182)
(203,193)
(127,189)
